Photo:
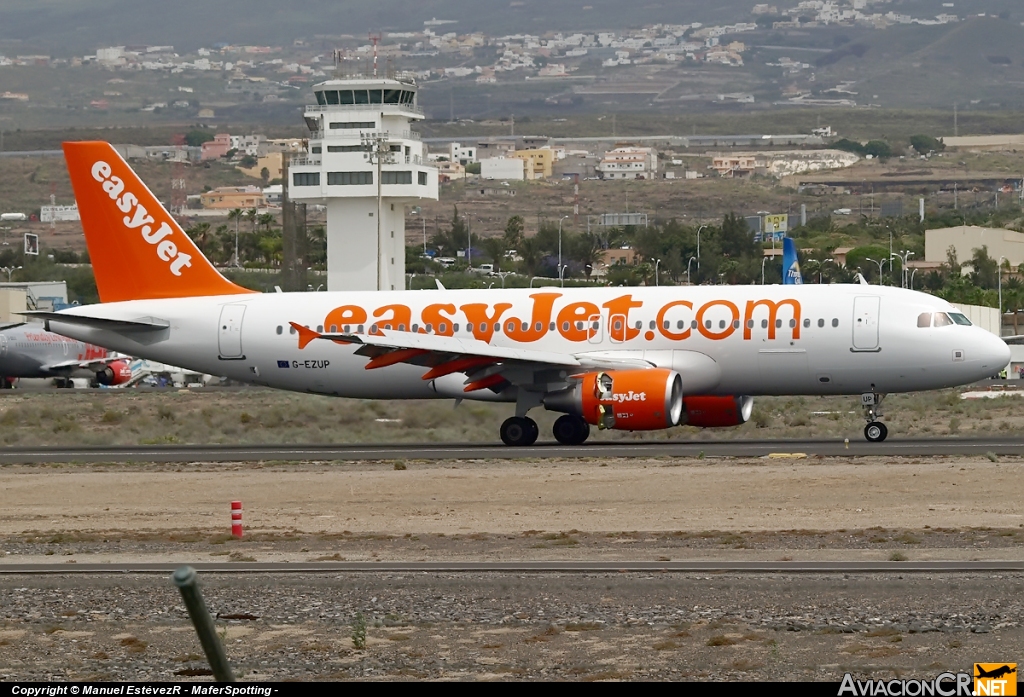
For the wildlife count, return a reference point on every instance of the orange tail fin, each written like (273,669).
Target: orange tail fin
(137,249)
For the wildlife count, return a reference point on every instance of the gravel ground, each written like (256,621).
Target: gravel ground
(491,626)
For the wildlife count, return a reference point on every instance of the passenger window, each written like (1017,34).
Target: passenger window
(348,328)
(415,327)
(401,327)
(443,327)
(280,329)
(693,324)
(665,325)
(707,324)
(565,326)
(764,324)
(639,324)
(721,324)
(360,329)
(807,323)
(539,326)
(429,328)
(579,325)
(526,325)
(618,325)
(942,319)
(735,324)
(792,323)
(510,327)
(497,328)
(334,329)
(455,327)
(924,319)
(469,327)
(551,327)
(680,324)
(291,330)
(320,327)
(821,323)
(778,324)
(835,322)
(652,324)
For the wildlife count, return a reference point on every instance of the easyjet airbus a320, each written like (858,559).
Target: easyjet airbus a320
(617,358)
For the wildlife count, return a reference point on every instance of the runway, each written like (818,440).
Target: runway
(527,567)
(485,451)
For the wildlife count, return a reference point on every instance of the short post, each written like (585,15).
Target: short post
(186,581)
(236,518)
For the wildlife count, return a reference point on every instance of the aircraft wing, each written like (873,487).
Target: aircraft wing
(11,325)
(92,364)
(485,366)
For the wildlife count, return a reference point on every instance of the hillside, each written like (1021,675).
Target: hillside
(67,26)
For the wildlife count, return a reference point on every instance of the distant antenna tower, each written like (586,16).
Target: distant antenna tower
(53,203)
(375,39)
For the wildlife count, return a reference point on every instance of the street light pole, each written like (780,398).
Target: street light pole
(378,152)
(656,262)
(880,265)
(763,260)
(698,250)
(560,249)
(999,268)
(688,270)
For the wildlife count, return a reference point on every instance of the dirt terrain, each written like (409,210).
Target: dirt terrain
(501,626)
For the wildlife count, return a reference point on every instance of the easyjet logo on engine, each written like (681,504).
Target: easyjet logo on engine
(630,396)
(138,218)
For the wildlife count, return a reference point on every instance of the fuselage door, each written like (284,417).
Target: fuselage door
(3,345)
(229,332)
(865,323)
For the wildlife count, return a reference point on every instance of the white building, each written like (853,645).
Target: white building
(249,144)
(364,252)
(463,154)
(629,163)
(510,168)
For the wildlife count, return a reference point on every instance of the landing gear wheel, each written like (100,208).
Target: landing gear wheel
(570,430)
(519,430)
(876,431)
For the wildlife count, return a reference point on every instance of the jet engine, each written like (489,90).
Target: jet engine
(715,412)
(115,373)
(628,400)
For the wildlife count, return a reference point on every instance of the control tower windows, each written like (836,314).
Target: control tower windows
(331,96)
(392,96)
(345,97)
(396,177)
(361,125)
(349,178)
(376,96)
(320,99)
(362,96)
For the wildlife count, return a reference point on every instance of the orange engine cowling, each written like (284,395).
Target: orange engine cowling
(715,412)
(628,400)
(115,373)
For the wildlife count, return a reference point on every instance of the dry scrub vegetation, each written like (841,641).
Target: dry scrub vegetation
(266,416)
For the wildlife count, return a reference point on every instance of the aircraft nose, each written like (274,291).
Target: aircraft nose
(994,353)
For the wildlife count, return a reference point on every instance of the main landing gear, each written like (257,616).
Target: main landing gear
(570,429)
(875,431)
(519,430)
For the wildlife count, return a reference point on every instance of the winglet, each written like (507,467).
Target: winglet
(138,250)
(305,335)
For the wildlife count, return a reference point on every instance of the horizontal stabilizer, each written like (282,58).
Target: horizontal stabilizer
(141,324)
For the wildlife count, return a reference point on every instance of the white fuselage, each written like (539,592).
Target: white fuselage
(724,340)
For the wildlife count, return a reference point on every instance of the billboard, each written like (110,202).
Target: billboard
(31,244)
(776,223)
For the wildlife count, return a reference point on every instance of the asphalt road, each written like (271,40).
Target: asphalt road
(486,451)
(527,566)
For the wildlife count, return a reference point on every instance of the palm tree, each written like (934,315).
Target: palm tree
(252,215)
(266,220)
(200,234)
(495,248)
(235,215)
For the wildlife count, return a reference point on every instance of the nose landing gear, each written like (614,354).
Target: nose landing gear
(875,431)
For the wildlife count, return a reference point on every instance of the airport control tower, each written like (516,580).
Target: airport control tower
(364,162)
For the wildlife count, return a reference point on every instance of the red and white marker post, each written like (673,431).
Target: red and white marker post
(236,518)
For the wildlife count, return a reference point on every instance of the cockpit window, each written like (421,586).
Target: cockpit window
(942,319)
(924,319)
(960,319)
